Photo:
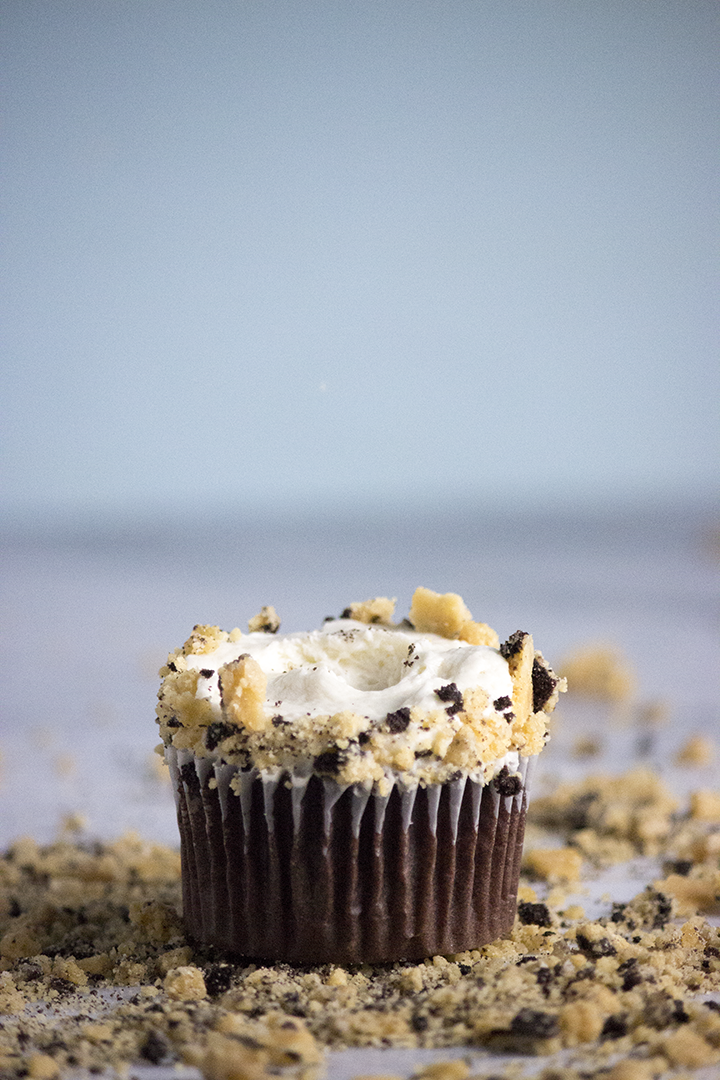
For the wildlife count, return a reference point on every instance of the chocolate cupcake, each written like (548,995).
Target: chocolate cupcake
(356,793)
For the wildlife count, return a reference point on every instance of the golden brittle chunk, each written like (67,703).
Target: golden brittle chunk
(519,652)
(242,689)
(479,633)
(185,984)
(555,864)
(446,614)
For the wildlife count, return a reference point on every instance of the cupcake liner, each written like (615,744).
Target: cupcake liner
(298,868)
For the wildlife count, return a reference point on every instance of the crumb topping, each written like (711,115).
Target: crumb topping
(363,699)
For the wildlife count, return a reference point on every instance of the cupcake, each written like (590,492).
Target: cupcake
(356,793)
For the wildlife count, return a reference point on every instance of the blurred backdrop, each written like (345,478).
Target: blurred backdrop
(308,302)
(267,254)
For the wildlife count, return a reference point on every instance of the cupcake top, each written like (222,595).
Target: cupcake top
(362,700)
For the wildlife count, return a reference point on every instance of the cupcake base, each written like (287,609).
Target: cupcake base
(303,870)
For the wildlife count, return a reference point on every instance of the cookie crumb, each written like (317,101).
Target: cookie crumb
(599,671)
(555,864)
(265,622)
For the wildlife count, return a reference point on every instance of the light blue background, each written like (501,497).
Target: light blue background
(280,254)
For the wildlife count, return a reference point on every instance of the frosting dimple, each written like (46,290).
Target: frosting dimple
(348,666)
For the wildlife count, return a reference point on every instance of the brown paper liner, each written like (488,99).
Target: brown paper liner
(313,873)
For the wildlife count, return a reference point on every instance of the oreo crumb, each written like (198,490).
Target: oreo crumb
(513,645)
(534,1024)
(155,1048)
(330,761)
(450,692)
(531,914)
(615,1027)
(398,721)
(216,732)
(507,784)
(543,684)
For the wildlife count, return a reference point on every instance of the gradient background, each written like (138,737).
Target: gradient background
(281,255)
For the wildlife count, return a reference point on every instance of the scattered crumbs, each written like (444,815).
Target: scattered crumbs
(697,751)
(444,1070)
(73,824)
(96,973)
(158,769)
(599,671)
(587,746)
(610,819)
(377,1076)
(653,713)
(554,864)
(65,766)
(266,621)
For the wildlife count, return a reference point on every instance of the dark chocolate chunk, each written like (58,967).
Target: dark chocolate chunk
(680,866)
(218,978)
(171,665)
(507,784)
(398,721)
(544,977)
(330,761)
(216,732)
(543,684)
(207,672)
(578,814)
(534,1024)
(364,738)
(534,914)
(663,910)
(502,703)
(679,1015)
(513,645)
(450,692)
(615,1027)
(632,978)
(154,1048)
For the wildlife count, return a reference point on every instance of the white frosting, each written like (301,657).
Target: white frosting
(370,670)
